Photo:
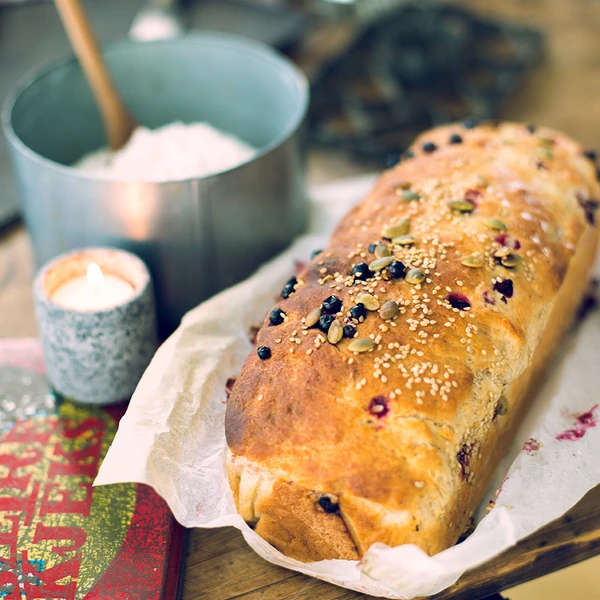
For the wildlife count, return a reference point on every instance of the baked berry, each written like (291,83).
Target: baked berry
(531,128)
(590,207)
(371,249)
(505,288)
(264,352)
(332,305)
(379,407)
(325,322)
(328,505)
(469,123)
(392,159)
(362,271)
(488,299)
(229,386)
(349,331)
(429,147)
(508,241)
(358,311)
(397,269)
(289,288)
(458,300)
(591,154)
(464,460)
(472,196)
(455,139)
(276,317)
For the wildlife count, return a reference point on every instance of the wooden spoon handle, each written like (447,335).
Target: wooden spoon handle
(118,122)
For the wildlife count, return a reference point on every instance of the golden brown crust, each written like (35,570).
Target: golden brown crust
(405,437)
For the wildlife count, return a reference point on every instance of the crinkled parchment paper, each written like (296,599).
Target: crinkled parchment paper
(172,436)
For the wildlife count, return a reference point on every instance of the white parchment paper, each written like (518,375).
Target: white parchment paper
(172,436)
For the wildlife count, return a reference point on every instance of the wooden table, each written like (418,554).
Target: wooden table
(565,93)
(221,565)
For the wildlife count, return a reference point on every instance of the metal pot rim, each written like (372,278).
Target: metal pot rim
(213,38)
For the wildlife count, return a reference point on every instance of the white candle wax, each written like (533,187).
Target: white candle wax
(95,291)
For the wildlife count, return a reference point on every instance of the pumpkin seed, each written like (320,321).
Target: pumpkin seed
(502,406)
(313,317)
(381,263)
(389,310)
(461,206)
(512,260)
(495,225)
(502,252)
(475,262)
(404,240)
(361,345)
(370,302)
(415,276)
(382,250)
(335,332)
(409,196)
(392,231)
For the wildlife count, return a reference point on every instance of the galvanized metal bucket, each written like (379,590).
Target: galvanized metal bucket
(197,235)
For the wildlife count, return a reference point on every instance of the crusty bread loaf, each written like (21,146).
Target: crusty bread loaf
(332,450)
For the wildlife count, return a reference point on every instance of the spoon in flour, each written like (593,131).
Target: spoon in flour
(118,121)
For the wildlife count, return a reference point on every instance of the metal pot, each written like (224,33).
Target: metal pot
(196,235)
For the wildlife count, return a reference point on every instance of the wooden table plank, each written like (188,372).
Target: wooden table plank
(305,589)
(223,557)
(570,539)
(222,566)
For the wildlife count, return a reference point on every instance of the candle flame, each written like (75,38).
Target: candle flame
(95,277)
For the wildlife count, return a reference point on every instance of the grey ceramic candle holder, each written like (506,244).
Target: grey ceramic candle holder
(96,357)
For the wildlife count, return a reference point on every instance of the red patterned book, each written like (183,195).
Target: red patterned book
(59,536)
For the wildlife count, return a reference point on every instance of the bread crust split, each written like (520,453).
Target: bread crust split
(330,449)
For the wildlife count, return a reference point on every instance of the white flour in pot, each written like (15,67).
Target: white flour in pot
(175,151)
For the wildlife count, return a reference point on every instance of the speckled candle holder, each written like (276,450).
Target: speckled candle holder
(96,357)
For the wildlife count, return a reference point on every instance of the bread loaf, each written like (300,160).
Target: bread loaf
(441,297)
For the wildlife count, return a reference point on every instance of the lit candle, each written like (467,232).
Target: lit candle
(94,291)
(97,323)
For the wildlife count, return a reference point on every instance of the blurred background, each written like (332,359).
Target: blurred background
(380,71)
